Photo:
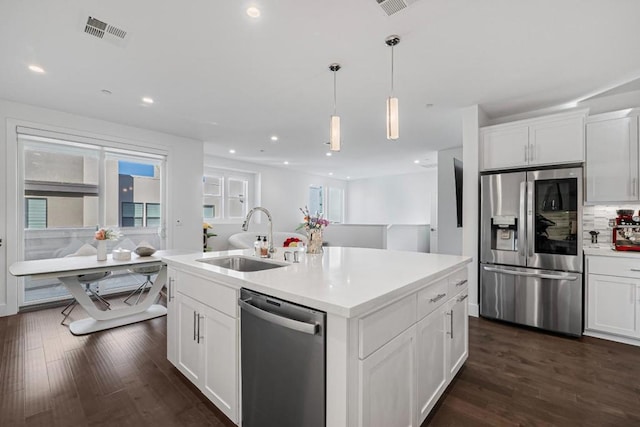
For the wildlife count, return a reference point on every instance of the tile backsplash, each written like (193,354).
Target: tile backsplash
(597,218)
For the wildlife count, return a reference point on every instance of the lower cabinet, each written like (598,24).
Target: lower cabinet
(613,305)
(206,348)
(401,381)
(388,383)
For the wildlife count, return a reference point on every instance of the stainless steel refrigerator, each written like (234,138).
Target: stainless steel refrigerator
(531,248)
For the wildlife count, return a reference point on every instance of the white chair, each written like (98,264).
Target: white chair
(147,271)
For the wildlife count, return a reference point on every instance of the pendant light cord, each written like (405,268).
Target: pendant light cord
(334,92)
(391,70)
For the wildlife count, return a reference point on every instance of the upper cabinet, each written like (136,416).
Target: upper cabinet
(549,140)
(612,157)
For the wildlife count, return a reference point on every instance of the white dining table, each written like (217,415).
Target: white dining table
(67,271)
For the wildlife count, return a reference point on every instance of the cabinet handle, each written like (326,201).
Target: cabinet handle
(463,297)
(199,337)
(170,290)
(450,323)
(526,153)
(532,148)
(634,269)
(462,282)
(633,187)
(194,325)
(437,297)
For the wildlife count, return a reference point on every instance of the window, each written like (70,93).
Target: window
(132,214)
(226,195)
(72,185)
(335,198)
(35,213)
(316,204)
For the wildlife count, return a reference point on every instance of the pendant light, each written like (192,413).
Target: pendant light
(392,102)
(334,125)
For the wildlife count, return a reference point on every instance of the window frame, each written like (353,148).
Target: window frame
(249,199)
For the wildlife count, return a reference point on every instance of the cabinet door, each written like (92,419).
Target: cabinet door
(219,333)
(189,350)
(458,347)
(556,141)
(432,377)
(172,317)
(612,305)
(612,160)
(505,148)
(388,384)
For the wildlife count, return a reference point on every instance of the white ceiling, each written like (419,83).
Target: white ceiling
(219,76)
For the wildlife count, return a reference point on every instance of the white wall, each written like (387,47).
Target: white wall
(281,191)
(184,177)
(449,234)
(396,199)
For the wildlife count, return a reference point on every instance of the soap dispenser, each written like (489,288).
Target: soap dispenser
(256,246)
(264,248)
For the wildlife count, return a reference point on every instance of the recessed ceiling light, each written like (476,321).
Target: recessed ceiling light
(36,69)
(147,100)
(428,105)
(416,161)
(274,138)
(348,177)
(328,154)
(253,12)
(286,163)
(330,173)
(232,151)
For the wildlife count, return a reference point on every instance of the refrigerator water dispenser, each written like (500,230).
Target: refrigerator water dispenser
(504,233)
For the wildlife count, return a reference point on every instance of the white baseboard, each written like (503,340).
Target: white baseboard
(612,337)
(474,310)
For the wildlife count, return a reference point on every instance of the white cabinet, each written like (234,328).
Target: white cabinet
(433,371)
(172,321)
(458,344)
(205,337)
(612,158)
(613,305)
(402,377)
(388,383)
(550,140)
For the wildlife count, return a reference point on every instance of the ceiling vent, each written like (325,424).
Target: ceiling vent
(394,6)
(105,31)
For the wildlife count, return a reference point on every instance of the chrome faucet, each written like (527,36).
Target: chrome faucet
(245,226)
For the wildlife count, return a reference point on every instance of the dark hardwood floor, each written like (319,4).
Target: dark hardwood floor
(121,377)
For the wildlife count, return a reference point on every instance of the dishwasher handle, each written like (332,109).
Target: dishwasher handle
(296,325)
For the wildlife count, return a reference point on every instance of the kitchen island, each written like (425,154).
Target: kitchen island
(396,331)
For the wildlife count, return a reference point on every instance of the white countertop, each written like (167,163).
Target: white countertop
(343,281)
(606,250)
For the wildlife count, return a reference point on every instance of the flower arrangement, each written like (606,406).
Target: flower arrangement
(107,234)
(310,222)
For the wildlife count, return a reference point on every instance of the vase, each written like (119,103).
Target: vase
(102,250)
(314,241)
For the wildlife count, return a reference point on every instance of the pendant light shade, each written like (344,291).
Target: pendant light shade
(393,128)
(334,125)
(334,134)
(392,118)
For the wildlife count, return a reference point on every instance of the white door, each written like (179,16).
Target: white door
(189,349)
(3,238)
(612,305)
(505,148)
(220,361)
(612,160)
(431,361)
(388,383)
(558,141)
(458,337)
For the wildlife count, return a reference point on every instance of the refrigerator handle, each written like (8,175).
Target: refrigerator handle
(530,219)
(523,222)
(527,274)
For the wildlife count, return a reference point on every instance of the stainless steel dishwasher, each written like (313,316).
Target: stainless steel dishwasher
(283,363)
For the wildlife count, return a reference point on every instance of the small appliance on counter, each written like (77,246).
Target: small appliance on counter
(626,232)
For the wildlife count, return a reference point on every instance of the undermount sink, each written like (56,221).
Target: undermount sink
(241,263)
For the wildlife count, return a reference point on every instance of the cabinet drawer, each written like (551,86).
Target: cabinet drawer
(610,266)
(382,326)
(215,295)
(432,297)
(458,281)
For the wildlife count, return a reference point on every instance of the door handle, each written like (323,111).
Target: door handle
(525,274)
(199,336)
(0,243)
(450,323)
(523,219)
